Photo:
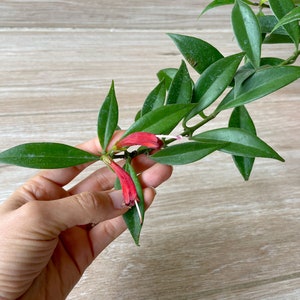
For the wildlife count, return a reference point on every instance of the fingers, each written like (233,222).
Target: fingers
(151,174)
(155,175)
(101,180)
(104,233)
(142,162)
(49,218)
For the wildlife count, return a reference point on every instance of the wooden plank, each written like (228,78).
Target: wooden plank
(133,14)
(50,71)
(209,234)
(234,241)
(276,291)
(234,238)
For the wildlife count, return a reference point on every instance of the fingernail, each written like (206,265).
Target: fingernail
(117,199)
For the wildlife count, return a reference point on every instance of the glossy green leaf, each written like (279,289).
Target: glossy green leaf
(197,52)
(108,118)
(292,16)
(240,118)
(247,31)
(185,153)
(278,39)
(138,115)
(181,89)
(161,120)
(46,156)
(271,61)
(131,217)
(155,99)
(240,142)
(260,84)
(215,4)
(214,80)
(281,9)
(247,71)
(167,75)
(244,165)
(240,77)
(268,22)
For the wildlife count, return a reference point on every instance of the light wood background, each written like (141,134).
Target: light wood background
(209,235)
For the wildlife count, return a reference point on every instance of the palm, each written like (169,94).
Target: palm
(67,261)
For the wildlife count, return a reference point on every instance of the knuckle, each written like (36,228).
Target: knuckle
(89,202)
(104,182)
(33,189)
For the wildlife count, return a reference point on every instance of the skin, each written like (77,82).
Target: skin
(46,238)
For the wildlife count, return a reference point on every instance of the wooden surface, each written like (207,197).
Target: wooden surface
(209,235)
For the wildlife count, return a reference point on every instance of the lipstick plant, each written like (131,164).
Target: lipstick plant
(178,102)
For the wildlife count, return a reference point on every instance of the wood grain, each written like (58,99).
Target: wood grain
(105,14)
(209,235)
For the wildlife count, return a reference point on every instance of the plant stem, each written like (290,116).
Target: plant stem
(291,59)
(190,130)
(130,155)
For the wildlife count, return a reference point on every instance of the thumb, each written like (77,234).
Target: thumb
(55,216)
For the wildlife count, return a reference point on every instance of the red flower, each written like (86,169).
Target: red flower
(128,187)
(146,139)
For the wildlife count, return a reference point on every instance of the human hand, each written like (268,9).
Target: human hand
(46,241)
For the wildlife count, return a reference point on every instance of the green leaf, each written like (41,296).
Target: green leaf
(197,52)
(46,156)
(243,73)
(161,120)
(292,16)
(241,142)
(271,61)
(167,75)
(240,118)
(247,31)
(247,70)
(108,118)
(138,115)
(214,81)
(155,99)
(244,165)
(278,39)
(216,3)
(131,217)
(185,153)
(268,22)
(181,88)
(282,8)
(260,84)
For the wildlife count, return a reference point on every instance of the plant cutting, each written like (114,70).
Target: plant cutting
(169,125)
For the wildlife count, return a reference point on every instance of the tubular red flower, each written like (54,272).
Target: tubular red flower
(127,184)
(146,139)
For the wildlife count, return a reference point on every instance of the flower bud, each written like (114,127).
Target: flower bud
(146,139)
(128,187)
